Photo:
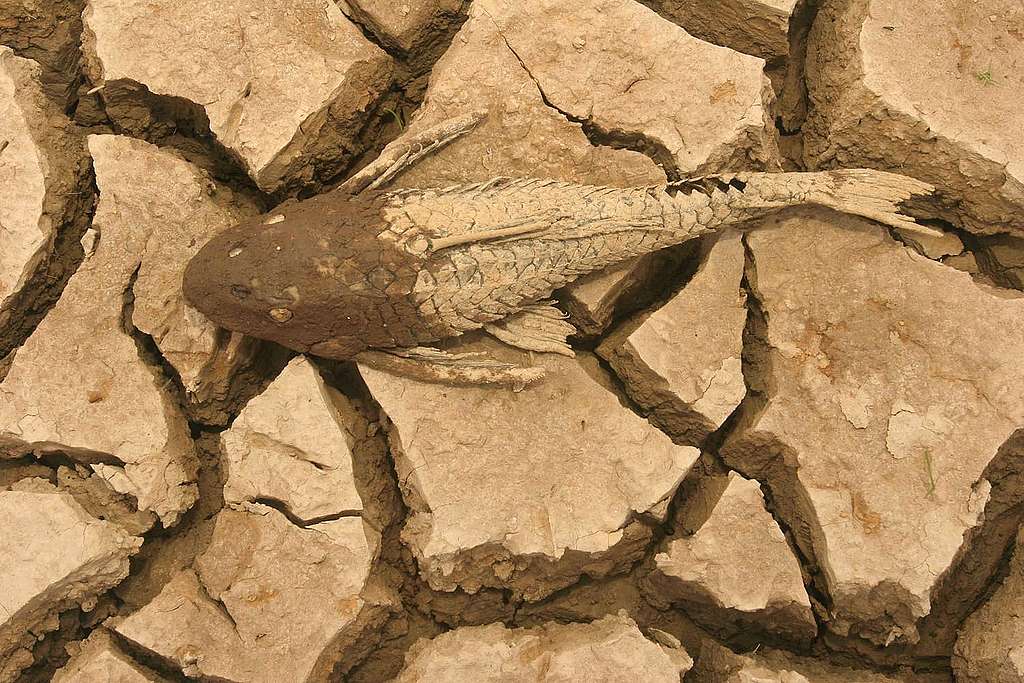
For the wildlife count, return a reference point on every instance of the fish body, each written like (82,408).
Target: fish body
(338,274)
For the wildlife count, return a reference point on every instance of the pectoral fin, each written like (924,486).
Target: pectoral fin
(404,152)
(538,327)
(460,369)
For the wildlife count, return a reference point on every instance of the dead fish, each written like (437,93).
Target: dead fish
(361,269)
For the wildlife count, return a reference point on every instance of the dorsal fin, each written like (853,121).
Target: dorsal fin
(531,227)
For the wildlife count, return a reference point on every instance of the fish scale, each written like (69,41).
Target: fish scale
(605,226)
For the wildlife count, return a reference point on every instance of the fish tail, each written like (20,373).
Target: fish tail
(720,200)
(876,195)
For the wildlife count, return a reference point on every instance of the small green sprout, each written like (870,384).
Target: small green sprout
(929,471)
(399,119)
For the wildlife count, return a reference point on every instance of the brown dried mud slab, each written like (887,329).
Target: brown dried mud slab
(929,89)
(53,556)
(936,247)
(407,25)
(681,364)
(91,491)
(46,31)
(715,664)
(284,87)
(595,301)
(99,660)
(736,572)
(719,116)
(80,385)
(754,27)
(576,469)
(610,649)
(267,600)
(890,383)
(283,589)
(44,180)
(290,445)
(990,648)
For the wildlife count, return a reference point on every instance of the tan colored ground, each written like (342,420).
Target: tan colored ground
(788,452)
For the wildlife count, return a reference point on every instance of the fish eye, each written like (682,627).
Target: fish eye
(280,315)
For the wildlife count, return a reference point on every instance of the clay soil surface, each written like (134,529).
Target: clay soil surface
(790,451)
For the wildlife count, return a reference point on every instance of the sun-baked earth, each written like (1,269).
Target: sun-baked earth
(791,452)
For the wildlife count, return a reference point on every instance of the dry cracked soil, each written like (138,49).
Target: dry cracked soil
(788,452)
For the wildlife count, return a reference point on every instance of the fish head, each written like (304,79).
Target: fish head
(284,277)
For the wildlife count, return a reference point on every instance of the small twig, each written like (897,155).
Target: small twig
(397,117)
(93,91)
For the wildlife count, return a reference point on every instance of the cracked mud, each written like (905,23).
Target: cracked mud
(788,451)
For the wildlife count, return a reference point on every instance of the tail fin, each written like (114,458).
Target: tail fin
(872,194)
